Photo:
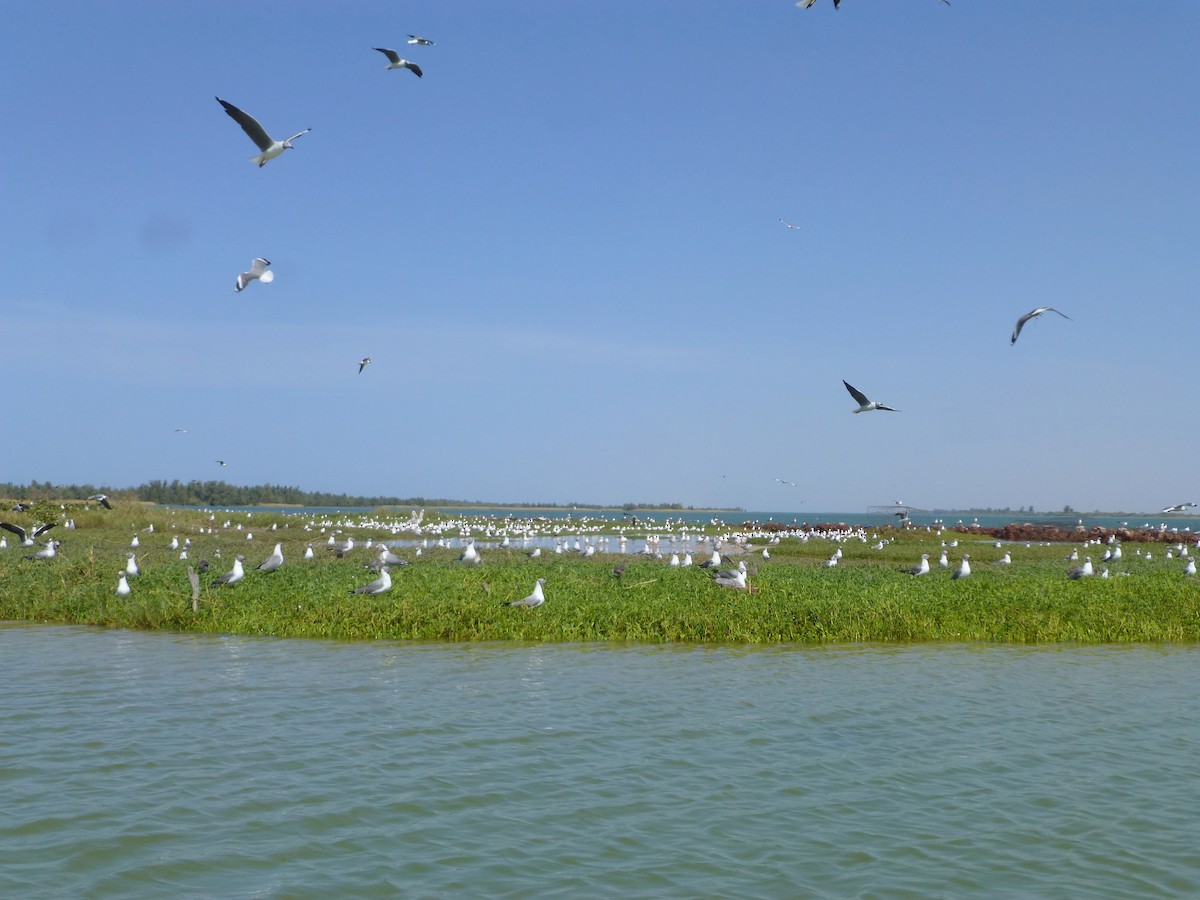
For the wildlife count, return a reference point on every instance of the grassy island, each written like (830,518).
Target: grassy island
(792,597)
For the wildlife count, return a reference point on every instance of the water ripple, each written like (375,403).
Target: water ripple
(150,764)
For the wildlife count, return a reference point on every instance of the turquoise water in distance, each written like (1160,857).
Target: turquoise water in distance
(158,764)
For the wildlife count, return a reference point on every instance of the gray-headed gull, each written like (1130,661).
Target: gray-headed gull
(537,598)
(270,147)
(378,586)
(865,405)
(257,272)
(1033,314)
(395,62)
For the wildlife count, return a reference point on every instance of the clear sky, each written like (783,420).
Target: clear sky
(562,249)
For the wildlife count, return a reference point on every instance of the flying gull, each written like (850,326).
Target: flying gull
(416,39)
(102,499)
(395,62)
(378,586)
(785,481)
(537,598)
(1178,508)
(221,462)
(790,226)
(26,540)
(807,4)
(270,148)
(258,272)
(1033,314)
(363,363)
(865,405)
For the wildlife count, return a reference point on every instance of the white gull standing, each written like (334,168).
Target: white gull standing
(537,598)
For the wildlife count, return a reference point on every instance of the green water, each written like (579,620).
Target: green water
(174,765)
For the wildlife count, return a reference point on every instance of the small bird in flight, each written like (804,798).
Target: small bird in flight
(1178,508)
(395,62)
(181,429)
(1033,314)
(415,39)
(865,405)
(362,363)
(785,481)
(221,462)
(790,226)
(270,148)
(258,272)
(102,499)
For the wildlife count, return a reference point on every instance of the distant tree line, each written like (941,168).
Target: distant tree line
(220,493)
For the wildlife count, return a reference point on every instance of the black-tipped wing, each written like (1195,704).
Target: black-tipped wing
(249,125)
(15,529)
(856,393)
(392,55)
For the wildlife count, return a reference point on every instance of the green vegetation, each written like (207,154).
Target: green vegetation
(793,597)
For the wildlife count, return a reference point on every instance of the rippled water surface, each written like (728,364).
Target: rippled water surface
(175,765)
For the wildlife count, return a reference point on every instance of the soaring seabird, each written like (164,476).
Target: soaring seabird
(416,39)
(26,540)
(395,62)
(1033,314)
(1178,508)
(865,405)
(537,598)
(790,226)
(363,363)
(258,272)
(102,499)
(270,148)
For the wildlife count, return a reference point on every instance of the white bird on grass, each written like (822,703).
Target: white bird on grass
(1033,314)
(234,575)
(470,555)
(537,598)
(270,147)
(274,561)
(921,568)
(964,568)
(378,586)
(122,585)
(131,566)
(49,551)
(865,405)
(1084,571)
(395,62)
(257,272)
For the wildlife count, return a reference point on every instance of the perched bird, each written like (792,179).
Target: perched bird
(943,561)
(26,539)
(363,363)
(865,405)
(964,568)
(258,272)
(49,551)
(131,566)
(102,499)
(388,558)
(921,568)
(378,586)
(414,39)
(395,62)
(274,561)
(308,552)
(619,570)
(470,555)
(234,575)
(537,598)
(1190,568)
(1084,571)
(1033,314)
(270,148)
(122,585)
(534,553)
(735,580)
(1005,560)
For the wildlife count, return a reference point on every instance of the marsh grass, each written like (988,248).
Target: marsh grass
(793,597)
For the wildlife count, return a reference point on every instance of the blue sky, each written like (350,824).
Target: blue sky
(562,249)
